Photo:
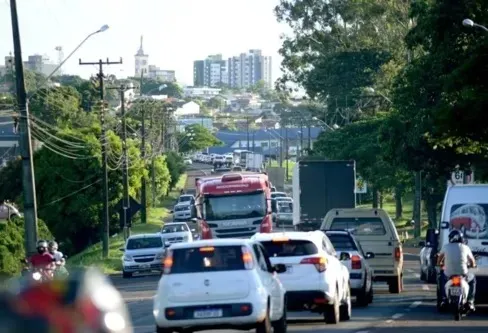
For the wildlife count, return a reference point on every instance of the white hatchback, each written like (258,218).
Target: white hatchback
(219,284)
(315,280)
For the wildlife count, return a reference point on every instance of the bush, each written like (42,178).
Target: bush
(12,248)
(176,167)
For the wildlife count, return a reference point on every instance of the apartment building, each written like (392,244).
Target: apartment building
(211,72)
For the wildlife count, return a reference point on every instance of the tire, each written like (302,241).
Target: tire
(346,309)
(163,330)
(264,326)
(423,276)
(431,276)
(126,275)
(332,312)
(395,285)
(370,294)
(281,326)
(362,296)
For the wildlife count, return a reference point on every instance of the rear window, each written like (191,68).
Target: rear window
(185,198)
(285,207)
(360,226)
(207,259)
(144,243)
(342,242)
(290,248)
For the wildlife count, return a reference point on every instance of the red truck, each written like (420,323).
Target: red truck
(235,205)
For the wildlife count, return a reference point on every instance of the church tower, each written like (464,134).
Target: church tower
(141,61)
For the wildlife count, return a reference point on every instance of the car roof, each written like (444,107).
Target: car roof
(211,242)
(294,235)
(139,236)
(280,193)
(186,195)
(174,223)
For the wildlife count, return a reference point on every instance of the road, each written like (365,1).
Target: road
(412,311)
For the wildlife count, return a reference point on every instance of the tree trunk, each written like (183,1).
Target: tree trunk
(375,198)
(380,196)
(398,202)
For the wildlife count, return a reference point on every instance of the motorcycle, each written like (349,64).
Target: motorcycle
(457,289)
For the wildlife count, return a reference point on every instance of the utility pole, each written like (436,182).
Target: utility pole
(309,139)
(28,180)
(153,174)
(125,163)
(247,130)
(281,145)
(301,137)
(143,156)
(105,213)
(286,152)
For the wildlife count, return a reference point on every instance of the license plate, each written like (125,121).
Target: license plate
(234,223)
(146,266)
(455,291)
(214,313)
(289,269)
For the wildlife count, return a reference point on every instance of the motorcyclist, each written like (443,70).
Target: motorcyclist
(456,257)
(53,249)
(72,304)
(42,259)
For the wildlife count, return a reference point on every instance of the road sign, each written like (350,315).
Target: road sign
(133,208)
(361,186)
(457,177)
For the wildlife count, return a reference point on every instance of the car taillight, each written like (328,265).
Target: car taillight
(247,258)
(320,263)
(266,225)
(398,253)
(356,262)
(206,231)
(456,280)
(168,262)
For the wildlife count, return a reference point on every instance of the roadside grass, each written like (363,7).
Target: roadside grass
(92,256)
(290,163)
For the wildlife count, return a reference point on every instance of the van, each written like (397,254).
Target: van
(465,208)
(376,232)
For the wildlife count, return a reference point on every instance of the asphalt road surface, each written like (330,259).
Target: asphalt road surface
(411,311)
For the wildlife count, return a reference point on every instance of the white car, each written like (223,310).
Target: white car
(142,253)
(176,232)
(361,274)
(315,280)
(182,212)
(188,161)
(219,284)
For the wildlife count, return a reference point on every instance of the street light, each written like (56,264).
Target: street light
(470,24)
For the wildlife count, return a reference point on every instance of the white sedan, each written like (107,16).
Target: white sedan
(219,284)
(315,280)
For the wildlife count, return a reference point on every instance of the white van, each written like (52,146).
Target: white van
(465,208)
(376,232)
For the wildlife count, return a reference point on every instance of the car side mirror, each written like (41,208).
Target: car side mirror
(422,244)
(279,268)
(194,220)
(171,211)
(369,255)
(345,256)
(122,249)
(167,244)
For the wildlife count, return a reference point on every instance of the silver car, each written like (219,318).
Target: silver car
(176,232)
(182,212)
(143,253)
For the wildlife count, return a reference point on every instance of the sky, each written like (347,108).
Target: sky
(176,32)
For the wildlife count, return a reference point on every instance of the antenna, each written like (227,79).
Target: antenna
(59,49)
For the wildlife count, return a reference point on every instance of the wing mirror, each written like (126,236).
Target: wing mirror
(167,243)
(171,211)
(279,268)
(421,244)
(194,220)
(369,255)
(122,249)
(345,256)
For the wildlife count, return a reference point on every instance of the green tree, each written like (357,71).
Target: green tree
(176,167)
(195,138)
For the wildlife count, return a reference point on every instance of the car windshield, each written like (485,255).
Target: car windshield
(360,226)
(290,248)
(207,259)
(185,198)
(181,208)
(235,206)
(144,243)
(342,242)
(285,207)
(278,195)
(167,229)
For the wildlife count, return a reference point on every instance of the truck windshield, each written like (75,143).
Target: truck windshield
(235,206)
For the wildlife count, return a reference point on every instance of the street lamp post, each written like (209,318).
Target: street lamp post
(471,24)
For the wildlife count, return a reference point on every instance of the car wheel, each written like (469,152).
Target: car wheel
(264,326)
(423,276)
(346,308)
(431,276)
(280,326)
(395,285)
(362,296)
(332,312)
(370,294)
(126,275)
(163,330)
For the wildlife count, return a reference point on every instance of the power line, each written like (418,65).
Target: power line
(71,194)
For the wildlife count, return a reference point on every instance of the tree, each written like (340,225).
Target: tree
(196,137)
(216,103)
(176,167)
(158,87)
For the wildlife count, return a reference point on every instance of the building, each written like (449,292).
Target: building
(247,69)
(188,109)
(210,72)
(35,63)
(202,92)
(150,71)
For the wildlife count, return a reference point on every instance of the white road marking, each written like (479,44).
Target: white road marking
(410,271)
(425,287)
(412,254)
(362,331)
(389,321)
(415,304)
(397,316)
(417,275)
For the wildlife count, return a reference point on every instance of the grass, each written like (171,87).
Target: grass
(290,163)
(92,256)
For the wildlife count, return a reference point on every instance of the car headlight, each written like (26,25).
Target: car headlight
(160,255)
(127,258)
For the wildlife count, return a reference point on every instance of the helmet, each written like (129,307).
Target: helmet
(53,245)
(41,246)
(456,236)
(85,301)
